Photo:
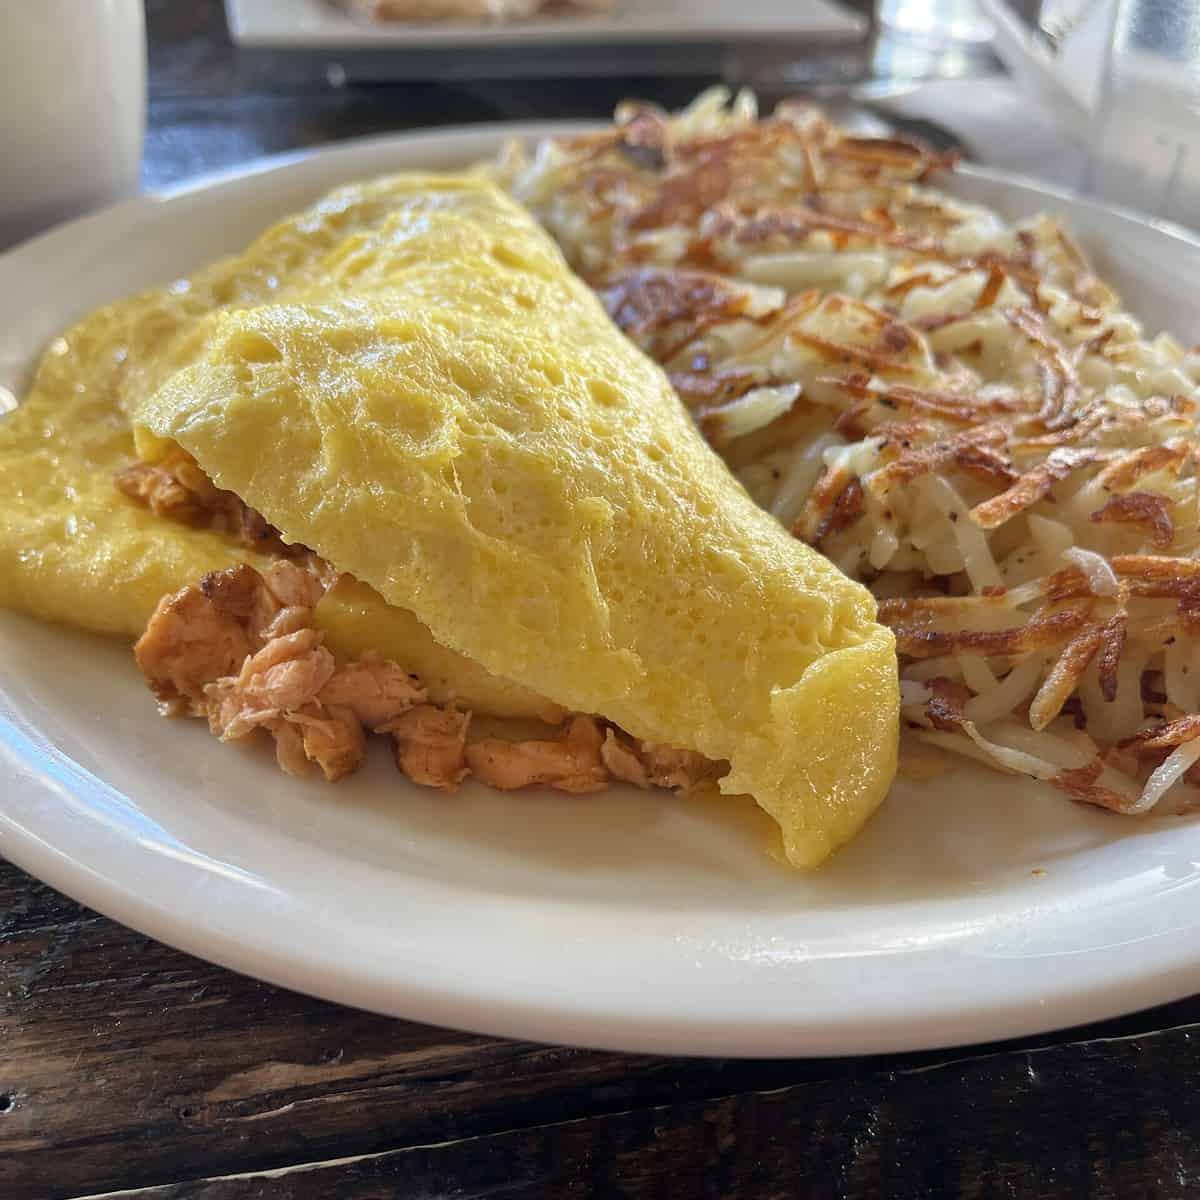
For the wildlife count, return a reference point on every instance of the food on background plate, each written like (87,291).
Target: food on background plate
(398,435)
(952,407)
(471,10)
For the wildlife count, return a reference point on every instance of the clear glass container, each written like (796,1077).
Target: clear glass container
(940,22)
(1144,138)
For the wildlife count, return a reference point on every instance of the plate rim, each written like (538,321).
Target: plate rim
(471,131)
(1171,974)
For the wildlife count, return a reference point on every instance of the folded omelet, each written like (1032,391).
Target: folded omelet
(427,398)
(73,550)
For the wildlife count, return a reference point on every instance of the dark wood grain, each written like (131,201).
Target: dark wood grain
(1112,1122)
(127,1065)
(126,1062)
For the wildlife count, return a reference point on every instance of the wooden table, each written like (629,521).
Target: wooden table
(127,1065)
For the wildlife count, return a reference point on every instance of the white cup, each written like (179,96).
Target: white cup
(72,108)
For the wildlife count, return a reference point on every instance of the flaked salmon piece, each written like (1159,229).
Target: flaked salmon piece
(649,765)
(219,633)
(375,689)
(259,601)
(177,489)
(289,748)
(431,744)
(292,585)
(571,763)
(288,672)
(672,768)
(288,621)
(231,715)
(240,593)
(622,760)
(241,650)
(277,690)
(156,486)
(332,738)
(283,677)
(188,642)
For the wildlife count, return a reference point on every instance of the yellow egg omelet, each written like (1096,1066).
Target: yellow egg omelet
(74,550)
(438,407)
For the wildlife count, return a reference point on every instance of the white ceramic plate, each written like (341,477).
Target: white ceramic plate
(317,24)
(618,920)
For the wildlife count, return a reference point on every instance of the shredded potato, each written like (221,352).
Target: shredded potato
(953,408)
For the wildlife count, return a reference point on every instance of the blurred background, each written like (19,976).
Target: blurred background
(1099,96)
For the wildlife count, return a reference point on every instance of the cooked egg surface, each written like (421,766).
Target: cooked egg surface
(451,418)
(357,620)
(74,550)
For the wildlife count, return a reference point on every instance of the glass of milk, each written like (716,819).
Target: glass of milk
(72,109)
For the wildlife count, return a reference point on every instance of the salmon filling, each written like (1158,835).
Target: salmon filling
(241,650)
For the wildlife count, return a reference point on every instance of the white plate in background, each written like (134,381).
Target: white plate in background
(973,907)
(317,24)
